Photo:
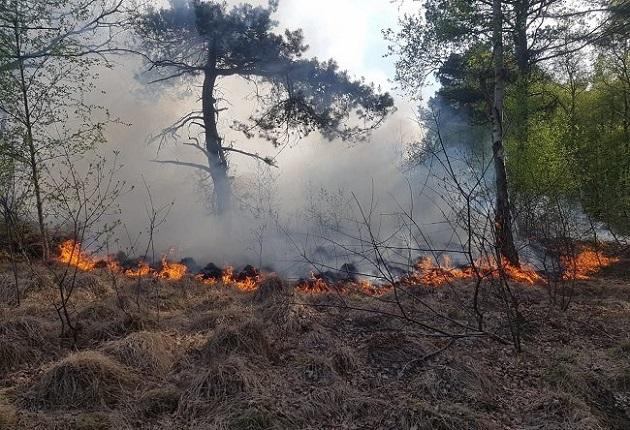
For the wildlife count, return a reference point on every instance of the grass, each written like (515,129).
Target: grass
(149,352)
(211,357)
(86,379)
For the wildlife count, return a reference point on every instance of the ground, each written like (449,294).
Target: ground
(159,354)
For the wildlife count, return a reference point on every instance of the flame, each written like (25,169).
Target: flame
(173,271)
(426,272)
(70,253)
(313,285)
(248,284)
(211,282)
(113,265)
(228,275)
(366,287)
(142,270)
(585,264)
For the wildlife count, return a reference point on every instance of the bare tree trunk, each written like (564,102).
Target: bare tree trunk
(217,161)
(503,219)
(30,143)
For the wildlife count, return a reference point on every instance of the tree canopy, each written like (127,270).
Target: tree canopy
(296,96)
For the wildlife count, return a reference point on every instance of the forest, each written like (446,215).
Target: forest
(286,214)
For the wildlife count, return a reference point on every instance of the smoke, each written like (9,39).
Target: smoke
(282,212)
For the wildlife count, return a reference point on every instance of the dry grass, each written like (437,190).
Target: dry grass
(85,379)
(221,383)
(159,401)
(221,359)
(8,417)
(345,361)
(23,341)
(105,320)
(149,352)
(272,287)
(245,338)
(212,319)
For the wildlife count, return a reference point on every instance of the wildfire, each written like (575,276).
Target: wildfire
(228,275)
(585,264)
(174,271)
(242,283)
(314,285)
(211,282)
(426,272)
(70,253)
(142,270)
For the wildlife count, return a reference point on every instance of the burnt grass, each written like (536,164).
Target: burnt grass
(181,355)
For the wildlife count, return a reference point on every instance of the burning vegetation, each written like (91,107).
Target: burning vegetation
(426,272)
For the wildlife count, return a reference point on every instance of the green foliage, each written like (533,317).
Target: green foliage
(578,143)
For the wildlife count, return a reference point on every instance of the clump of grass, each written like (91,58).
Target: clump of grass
(621,350)
(391,348)
(344,360)
(85,379)
(316,368)
(160,401)
(91,421)
(8,417)
(252,419)
(146,351)
(22,341)
(245,338)
(27,329)
(91,284)
(222,382)
(211,319)
(287,319)
(106,321)
(271,287)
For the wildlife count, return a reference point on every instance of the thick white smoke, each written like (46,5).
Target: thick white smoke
(310,172)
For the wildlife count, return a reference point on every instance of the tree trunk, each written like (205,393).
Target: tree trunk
(217,162)
(503,219)
(30,143)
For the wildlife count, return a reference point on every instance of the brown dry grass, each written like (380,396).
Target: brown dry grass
(149,352)
(222,383)
(244,338)
(211,357)
(85,379)
(24,340)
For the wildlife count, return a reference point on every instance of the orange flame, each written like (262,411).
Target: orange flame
(70,253)
(173,271)
(585,264)
(228,275)
(426,272)
(313,285)
(206,281)
(437,275)
(247,284)
(142,270)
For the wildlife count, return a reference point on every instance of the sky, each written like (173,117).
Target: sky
(348,31)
